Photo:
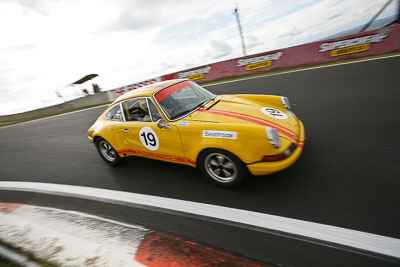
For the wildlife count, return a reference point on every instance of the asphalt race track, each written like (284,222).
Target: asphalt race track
(348,175)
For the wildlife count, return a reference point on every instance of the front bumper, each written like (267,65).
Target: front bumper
(264,168)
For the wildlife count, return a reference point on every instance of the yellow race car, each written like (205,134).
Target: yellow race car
(179,121)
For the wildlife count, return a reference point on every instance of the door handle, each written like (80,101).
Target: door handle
(126,130)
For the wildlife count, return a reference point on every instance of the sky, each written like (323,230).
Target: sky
(45,45)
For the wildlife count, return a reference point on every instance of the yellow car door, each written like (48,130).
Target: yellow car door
(143,137)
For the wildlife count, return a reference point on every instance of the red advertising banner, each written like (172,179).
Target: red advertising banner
(357,45)
(352,46)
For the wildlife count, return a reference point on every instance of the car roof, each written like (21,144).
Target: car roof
(147,90)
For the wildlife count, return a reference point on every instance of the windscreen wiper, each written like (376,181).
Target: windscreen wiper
(213,104)
(202,104)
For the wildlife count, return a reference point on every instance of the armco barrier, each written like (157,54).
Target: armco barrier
(357,45)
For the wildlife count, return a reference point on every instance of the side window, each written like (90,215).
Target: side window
(136,110)
(114,114)
(154,112)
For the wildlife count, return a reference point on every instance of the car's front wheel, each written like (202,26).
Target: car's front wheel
(107,152)
(222,167)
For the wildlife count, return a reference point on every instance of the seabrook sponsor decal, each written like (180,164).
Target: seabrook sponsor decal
(354,45)
(219,134)
(259,62)
(195,74)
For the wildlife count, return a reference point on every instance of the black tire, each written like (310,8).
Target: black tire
(222,167)
(107,152)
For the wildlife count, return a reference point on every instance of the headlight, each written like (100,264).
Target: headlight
(285,102)
(273,137)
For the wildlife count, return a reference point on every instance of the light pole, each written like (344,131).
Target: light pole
(236,12)
(376,15)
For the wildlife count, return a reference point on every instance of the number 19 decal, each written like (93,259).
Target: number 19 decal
(149,138)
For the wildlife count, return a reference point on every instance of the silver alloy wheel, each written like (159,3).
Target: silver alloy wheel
(220,167)
(107,151)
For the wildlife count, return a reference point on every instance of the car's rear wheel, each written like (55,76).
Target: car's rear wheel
(107,152)
(222,167)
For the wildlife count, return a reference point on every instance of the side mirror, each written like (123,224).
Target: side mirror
(161,124)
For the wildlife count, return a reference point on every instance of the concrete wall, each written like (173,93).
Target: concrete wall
(96,99)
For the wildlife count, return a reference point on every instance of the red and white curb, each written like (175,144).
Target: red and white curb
(69,238)
(370,244)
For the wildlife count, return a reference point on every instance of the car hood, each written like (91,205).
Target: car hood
(249,109)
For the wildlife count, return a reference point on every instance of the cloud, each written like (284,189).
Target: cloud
(220,49)
(140,15)
(195,29)
(37,6)
(288,33)
(23,47)
(251,41)
(134,21)
(334,17)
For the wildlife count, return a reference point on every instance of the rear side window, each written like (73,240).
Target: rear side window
(114,114)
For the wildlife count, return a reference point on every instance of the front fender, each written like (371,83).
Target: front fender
(249,143)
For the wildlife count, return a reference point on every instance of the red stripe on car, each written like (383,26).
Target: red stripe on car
(159,156)
(300,144)
(170,90)
(291,131)
(240,117)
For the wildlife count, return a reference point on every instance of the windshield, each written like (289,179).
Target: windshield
(182,98)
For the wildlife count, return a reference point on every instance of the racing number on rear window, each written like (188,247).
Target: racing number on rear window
(149,138)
